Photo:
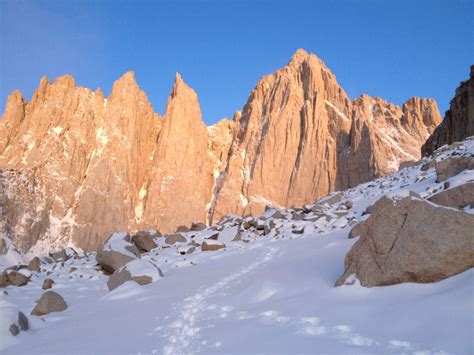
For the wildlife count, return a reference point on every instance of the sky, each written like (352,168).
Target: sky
(391,49)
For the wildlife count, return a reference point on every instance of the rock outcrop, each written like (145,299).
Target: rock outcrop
(76,166)
(410,240)
(458,121)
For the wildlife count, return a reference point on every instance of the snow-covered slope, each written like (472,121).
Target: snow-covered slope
(272,291)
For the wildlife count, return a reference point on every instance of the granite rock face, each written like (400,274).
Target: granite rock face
(458,122)
(76,166)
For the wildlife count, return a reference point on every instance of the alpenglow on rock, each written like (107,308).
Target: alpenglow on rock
(77,166)
(458,122)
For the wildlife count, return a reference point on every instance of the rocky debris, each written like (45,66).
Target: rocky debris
(14,330)
(453,166)
(456,197)
(175,238)
(348,204)
(104,130)
(3,279)
(34,264)
(197,226)
(140,271)
(210,245)
(458,122)
(144,241)
(116,252)
(49,302)
(47,284)
(407,239)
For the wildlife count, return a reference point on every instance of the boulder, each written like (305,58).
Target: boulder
(49,302)
(23,321)
(182,229)
(456,197)
(140,271)
(144,241)
(197,226)
(34,264)
(47,284)
(407,239)
(175,238)
(213,236)
(210,245)
(453,166)
(17,278)
(116,252)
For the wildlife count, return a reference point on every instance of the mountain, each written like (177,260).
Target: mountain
(76,166)
(458,122)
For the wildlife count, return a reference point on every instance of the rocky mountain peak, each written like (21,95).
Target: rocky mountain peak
(119,165)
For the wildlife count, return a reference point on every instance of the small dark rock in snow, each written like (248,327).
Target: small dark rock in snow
(23,321)
(14,329)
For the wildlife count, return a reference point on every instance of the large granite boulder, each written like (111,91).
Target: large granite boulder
(117,251)
(144,241)
(457,197)
(452,166)
(34,264)
(49,302)
(140,271)
(407,239)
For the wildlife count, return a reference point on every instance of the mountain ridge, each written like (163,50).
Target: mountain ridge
(105,164)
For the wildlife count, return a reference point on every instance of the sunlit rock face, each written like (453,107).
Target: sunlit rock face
(77,166)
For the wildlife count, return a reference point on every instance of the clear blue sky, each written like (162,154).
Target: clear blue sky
(391,49)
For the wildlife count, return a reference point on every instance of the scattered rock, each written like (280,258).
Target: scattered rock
(182,229)
(175,238)
(116,252)
(208,246)
(58,256)
(23,321)
(197,226)
(457,197)
(348,204)
(188,249)
(297,216)
(298,229)
(34,264)
(3,246)
(49,302)
(453,166)
(4,279)
(407,239)
(47,284)
(16,278)
(14,329)
(144,241)
(140,271)
(214,236)
(279,215)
